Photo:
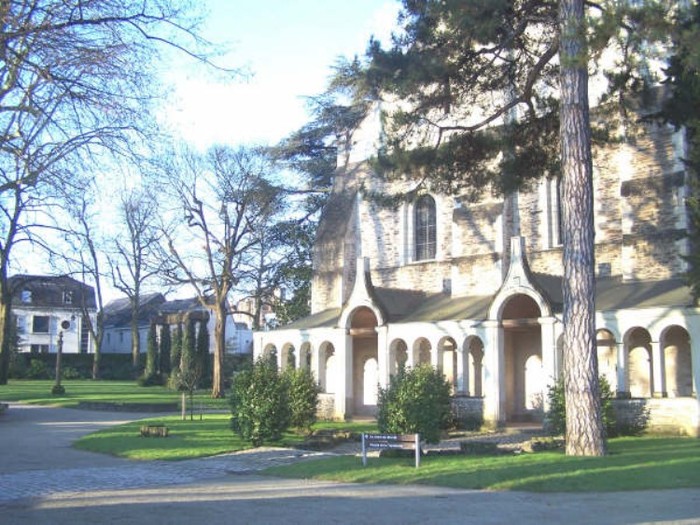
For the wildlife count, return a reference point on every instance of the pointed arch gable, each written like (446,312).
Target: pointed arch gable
(518,281)
(362,296)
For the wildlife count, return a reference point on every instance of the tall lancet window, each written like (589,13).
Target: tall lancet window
(424,222)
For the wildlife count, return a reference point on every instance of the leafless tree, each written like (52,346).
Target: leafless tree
(138,254)
(75,79)
(83,256)
(226,199)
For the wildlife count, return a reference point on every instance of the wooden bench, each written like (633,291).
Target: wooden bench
(154,431)
(391,442)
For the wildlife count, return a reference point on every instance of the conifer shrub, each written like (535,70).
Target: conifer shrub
(417,400)
(302,398)
(259,403)
(555,419)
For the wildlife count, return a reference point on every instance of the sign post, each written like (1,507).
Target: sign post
(390,442)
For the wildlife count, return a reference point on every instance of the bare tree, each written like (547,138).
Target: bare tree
(85,259)
(226,199)
(138,255)
(74,78)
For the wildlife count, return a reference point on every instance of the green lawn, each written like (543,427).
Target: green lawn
(633,464)
(38,392)
(187,439)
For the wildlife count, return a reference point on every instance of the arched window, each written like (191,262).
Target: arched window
(424,223)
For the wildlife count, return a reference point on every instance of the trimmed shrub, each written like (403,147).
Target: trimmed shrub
(37,370)
(417,400)
(555,419)
(164,354)
(258,403)
(302,398)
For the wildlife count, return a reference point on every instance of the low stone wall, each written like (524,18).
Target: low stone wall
(325,410)
(468,412)
(679,415)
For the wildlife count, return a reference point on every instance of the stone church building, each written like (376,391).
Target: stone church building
(475,290)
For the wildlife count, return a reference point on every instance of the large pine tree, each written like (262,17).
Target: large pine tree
(491,94)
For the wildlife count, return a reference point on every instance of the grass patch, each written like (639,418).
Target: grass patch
(188,439)
(632,464)
(38,392)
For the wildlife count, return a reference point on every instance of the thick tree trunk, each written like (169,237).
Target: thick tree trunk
(217,380)
(5,342)
(584,427)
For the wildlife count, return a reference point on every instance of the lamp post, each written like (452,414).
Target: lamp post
(57,388)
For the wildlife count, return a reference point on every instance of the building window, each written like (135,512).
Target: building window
(555,212)
(26,296)
(39,349)
(67,297)
(40,324)
(424,228)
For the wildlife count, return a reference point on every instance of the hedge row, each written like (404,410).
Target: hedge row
(79,366)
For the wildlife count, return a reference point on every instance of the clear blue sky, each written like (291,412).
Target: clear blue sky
(290,46)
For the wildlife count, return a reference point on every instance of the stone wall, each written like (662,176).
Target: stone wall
(325,410)
(468,412)
(678,416)
(640,220)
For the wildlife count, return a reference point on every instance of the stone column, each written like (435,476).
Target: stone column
(494,387)
(343,388)
(462,386)
(658,363)
(383,365)
(549,355)
(623,387)
(436,355)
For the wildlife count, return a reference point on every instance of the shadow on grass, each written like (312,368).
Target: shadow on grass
(633,464)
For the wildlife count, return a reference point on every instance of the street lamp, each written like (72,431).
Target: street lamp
(57,389)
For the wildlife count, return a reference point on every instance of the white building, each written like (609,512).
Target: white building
(155,309)
(48,307)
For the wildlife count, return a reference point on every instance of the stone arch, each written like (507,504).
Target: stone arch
(398,356)
(607,357)
(363,331)
(370,379)
(447,360)
(270,351)
(474,348)
(522,344)
(639,368)
(675,345)
(288,357)
(305,353)
(534,379)
(505,298)
(327,368)
(421,351)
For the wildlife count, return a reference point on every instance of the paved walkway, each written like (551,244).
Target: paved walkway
(38,460)
(44,481)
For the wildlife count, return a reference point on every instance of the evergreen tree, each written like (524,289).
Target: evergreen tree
(151,353)
(203,356)
(490,95)
(682,109)
(164,354)
(176,350)
(188,358)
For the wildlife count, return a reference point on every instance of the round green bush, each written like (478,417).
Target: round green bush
(418,401)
